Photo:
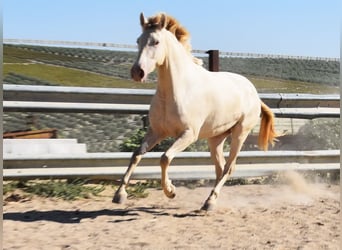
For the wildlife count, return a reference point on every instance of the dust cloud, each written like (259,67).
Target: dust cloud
(290,189)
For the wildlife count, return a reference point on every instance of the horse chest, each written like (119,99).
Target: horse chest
(168,117)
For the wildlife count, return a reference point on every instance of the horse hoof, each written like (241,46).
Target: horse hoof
(208,206)
(120,197)
(171,194)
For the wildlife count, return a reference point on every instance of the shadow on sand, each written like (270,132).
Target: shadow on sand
(62,216)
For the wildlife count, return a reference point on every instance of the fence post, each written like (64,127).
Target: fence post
(213,60)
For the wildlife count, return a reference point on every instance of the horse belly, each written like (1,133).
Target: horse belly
(217,125)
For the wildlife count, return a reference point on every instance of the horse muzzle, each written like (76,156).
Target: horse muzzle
(137,73)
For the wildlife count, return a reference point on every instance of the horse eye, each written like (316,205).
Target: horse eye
(154,42)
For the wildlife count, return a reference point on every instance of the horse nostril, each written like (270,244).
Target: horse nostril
(137,73)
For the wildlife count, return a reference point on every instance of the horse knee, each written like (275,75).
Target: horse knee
(164,161)
(136,157)
(143,148)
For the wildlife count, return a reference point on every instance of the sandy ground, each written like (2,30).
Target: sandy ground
(291,216)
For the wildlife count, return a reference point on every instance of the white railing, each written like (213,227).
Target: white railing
(186,165)
(31,98)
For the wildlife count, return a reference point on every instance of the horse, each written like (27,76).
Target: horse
(193,103)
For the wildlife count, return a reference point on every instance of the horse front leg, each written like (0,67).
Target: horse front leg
(238,138)
(179,145)
(216,151)
(149,141)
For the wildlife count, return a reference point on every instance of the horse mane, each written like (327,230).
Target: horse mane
(174,26)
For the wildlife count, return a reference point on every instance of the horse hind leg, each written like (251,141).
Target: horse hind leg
(149,141)
(179,145)
(239,135)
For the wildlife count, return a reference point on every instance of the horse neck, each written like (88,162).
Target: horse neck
(172,73)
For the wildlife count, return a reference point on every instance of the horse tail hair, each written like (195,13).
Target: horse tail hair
(267,135)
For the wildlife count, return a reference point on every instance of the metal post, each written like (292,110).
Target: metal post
(213,60)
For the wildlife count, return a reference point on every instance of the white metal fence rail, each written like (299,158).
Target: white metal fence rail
(32,98)
(186,165)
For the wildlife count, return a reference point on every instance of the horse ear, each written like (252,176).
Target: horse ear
(163,21)
(143,20)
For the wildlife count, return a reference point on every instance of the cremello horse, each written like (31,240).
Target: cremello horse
(192,103)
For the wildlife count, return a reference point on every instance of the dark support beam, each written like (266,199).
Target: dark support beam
(213,60)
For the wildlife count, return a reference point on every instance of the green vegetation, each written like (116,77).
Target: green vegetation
(30,54)
(105,68)
(62,76)
(299,70)
(81,189)
(68,67)
(134,140)
(270,85)
(318,134)
(70,190)
(55,188)
(139,189)
(131,143)
(67,76)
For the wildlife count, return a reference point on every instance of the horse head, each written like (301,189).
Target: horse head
(151,47)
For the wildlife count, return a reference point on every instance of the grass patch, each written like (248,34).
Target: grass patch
(272,85)
(268,75)
(70,77)
(71,190)
(55,189)
(73,77)
(139,189)
(14,54)
(11,186)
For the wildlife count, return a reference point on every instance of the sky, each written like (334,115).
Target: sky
(284,27)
